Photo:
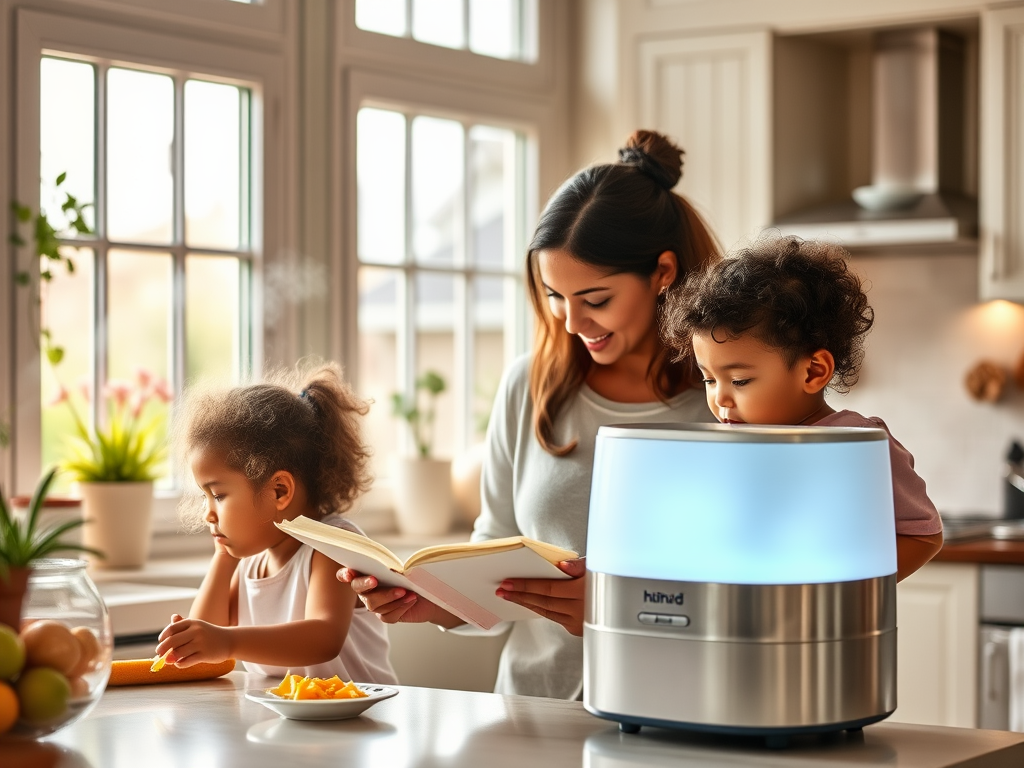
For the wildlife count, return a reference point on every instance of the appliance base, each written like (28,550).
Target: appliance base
(775,738)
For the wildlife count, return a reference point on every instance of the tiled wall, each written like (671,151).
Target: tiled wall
(929,330)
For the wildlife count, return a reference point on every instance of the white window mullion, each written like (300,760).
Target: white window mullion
(405,327)
(462,315)
(100,357)
(176,348)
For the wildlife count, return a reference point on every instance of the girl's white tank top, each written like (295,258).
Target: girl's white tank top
(282,598)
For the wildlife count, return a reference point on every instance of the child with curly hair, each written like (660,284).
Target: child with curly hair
(771,328)
(262,454)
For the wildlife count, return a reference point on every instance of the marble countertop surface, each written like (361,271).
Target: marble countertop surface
(211,723)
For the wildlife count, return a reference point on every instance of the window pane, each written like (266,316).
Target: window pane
(214,161)
(378,357)
(212,316)
(384,16)
(488,299)
(492,185)
(380,178)
(140,135)
(67,136)
(67,311)
(139,313)
(435,351)
(438,22)
(494,28)
(437,174)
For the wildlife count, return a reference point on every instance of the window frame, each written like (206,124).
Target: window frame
(40,33)
(410,76)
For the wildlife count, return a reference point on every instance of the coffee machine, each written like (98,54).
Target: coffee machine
(741,579)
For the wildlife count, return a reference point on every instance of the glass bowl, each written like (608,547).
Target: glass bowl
(61,591)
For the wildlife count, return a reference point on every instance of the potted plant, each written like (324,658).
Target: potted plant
(21,542)
(115,464)
(422,483)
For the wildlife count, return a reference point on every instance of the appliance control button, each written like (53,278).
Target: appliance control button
(663,619)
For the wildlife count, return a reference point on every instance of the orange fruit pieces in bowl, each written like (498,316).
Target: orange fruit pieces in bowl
(298,688)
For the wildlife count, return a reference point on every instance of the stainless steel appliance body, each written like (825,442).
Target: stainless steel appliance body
(1001,613)
(797,642)
(756,659)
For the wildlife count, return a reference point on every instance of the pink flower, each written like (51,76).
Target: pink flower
(144,376)
(118,390)
(162,391)
(138,401)
(85,387)
(59,397)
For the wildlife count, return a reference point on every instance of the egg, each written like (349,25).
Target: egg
(49,643)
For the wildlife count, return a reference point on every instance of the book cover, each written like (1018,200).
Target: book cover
(461,578)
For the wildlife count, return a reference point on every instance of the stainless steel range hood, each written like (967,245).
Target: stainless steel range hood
(917,150)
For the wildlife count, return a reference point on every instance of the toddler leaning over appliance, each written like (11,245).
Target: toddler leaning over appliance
(771,327)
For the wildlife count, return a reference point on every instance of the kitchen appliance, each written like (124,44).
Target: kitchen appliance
(741,579)
(1001,612)
(916,195)
(1013,483)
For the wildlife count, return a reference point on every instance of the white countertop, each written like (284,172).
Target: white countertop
(212,724)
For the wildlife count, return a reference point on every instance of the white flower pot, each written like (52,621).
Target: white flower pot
(423,496)
(118,522)
(466,471)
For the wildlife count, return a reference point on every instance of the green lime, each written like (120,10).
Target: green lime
(43,693)
(12,653)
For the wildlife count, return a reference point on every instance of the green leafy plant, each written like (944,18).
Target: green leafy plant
(421,420)
(47,240)
(20,540)
(129,448)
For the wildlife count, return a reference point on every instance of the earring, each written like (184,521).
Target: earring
(662,291)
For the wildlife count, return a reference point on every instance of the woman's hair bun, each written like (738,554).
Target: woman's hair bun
(654,155)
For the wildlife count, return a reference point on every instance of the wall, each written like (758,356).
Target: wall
(929,330)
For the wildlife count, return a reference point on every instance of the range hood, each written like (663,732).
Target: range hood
(916,195)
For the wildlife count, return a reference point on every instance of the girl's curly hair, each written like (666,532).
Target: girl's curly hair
(305,421)
(797,296)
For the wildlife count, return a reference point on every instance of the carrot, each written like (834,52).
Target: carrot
(140,672)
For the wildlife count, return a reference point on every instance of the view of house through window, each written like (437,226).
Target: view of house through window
(440,206)
(503,29)
(161,289)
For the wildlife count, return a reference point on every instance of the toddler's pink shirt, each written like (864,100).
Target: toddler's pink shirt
(915,513)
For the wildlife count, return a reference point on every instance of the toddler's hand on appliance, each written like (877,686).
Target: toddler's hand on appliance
(560,600)
(191,641)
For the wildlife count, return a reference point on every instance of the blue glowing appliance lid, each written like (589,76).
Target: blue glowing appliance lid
(742,504)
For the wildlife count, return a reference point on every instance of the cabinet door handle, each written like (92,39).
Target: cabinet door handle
(987,671)
(996,265)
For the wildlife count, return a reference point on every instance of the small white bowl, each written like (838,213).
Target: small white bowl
(886,198)
(322,709)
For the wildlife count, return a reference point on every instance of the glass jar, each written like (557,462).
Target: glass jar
(60,591)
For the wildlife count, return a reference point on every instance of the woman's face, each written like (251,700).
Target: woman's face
(614,315)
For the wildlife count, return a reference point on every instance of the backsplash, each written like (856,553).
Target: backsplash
(929,331)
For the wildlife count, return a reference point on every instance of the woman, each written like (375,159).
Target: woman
(611,241)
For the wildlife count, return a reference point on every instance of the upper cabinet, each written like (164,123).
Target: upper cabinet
(1002,152)
(780,119)
(712,94)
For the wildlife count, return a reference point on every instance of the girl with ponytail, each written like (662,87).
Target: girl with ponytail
(610,243)
(262,454)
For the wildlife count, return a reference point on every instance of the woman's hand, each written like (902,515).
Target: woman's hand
(560,600)
(394,604)
(191,641)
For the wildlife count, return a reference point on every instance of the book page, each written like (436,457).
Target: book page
(307,530)
(440,552)
(476,579)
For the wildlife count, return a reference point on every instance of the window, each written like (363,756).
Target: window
(440,219)
(165,135)
(503,29)
(164,285)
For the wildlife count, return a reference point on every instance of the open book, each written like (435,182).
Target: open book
(461,578)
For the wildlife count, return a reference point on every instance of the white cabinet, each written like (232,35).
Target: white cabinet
(937,620)
(712,94)
(1002,154)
